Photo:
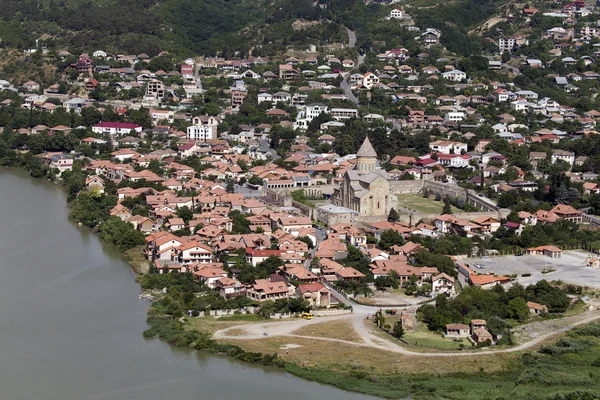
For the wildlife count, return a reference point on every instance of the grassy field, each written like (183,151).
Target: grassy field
(345,358)
(433,340)
(419,203)
(564,367)
(341,330)
(211,325)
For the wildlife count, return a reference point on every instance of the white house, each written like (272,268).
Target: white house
(99,54)
(308,113)
(448,147)
(162,115)
(370,80)
(194,252)
(442,284)
(455,116)
(519,105)
(396,13)
(116,129)
(264,97)
(563,155)
(454,75)
(203,128)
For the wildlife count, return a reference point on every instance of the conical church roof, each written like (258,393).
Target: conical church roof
(366,149)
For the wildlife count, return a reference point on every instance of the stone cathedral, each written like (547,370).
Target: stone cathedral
(365,188)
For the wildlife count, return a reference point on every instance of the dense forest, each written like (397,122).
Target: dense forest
(225,27)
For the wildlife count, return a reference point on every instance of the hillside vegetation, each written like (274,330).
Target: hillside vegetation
(211,27)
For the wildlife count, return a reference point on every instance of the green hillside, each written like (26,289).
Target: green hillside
(211,26)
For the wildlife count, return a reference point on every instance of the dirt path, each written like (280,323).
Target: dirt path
(286,328)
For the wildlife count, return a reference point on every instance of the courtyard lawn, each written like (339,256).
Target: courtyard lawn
(421,204)
(434,340)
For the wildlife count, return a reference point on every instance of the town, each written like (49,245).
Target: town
(382,191)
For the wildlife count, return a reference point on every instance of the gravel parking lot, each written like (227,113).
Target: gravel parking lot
(571,268)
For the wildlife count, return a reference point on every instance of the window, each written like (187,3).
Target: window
(378,205)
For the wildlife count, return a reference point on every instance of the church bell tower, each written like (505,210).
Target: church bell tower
(366,158)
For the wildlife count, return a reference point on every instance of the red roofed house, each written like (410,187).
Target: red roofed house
(568,212)
(254,256)
(194,252)
(228,287)
(315,293)
(263,290)
(536,308)
(488,281)
(293,225)
(548,251)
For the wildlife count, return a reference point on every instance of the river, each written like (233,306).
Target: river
(71,322)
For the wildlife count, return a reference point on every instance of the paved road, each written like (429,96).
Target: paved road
(361,59)
(197,77)
(321,235)
(594,220)
(512,69)
(347,91)
(351,38)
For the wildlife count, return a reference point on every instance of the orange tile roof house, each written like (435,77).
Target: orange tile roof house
(481,335)
(536,308)
(294,224)
(263,290)
(315,293)
(229,287)
(298,272)
(548,251)
(568,212)
(348,274)
(488,281)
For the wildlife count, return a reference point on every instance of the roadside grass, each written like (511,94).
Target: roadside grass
(243,317)
(345,357)
(342,330)
(211,325)
(365,301)
(419,203)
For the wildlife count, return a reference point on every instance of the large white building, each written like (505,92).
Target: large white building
(448,147)
(511,43)
(203,128)
(308,113)
(115,129)
(454,75)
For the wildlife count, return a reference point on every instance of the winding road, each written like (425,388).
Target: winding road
(287,328)
(361,59)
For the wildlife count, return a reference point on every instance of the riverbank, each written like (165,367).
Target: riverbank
(557,367)
(397,375)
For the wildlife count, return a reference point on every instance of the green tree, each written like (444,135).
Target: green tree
(393,215)
(185,213)
(447,209)
(517,309)
(398,330)
(390,238)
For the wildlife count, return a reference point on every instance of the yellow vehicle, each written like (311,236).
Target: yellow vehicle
(306,315)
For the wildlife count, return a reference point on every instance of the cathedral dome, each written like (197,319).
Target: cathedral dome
(366,149)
